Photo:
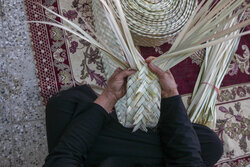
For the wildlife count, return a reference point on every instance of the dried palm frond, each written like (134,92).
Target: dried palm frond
(213,69)
(202,30)
(143,91)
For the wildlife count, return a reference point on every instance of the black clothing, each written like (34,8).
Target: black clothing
(82,133)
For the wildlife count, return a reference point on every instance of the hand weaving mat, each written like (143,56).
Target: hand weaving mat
(64,61)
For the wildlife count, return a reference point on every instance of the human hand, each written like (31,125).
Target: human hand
(117,83)
(166,79)
(116,88)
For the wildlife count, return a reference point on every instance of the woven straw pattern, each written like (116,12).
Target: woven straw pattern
(104,31)
(151,22)
(146,112)
(142,101)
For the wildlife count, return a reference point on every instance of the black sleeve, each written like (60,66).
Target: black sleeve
(79,136)
(180,143)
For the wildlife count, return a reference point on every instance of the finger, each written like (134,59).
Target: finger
(118,70)
(83,82)
(156,70)
(149,59)
(125,74)
(169,73)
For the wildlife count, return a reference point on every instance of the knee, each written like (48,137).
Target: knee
(53,101)
(215,149)
(116,161)
(78,94)
(216,145)
(59,97)
(211,145)
(57,103)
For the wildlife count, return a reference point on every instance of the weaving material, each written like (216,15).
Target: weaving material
(139,108)
(142,97)
(151,22)
(212,72)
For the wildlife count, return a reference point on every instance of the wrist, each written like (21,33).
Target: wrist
(110,96)
(107,100)
(169,93)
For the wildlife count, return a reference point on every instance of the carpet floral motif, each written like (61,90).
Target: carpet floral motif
(240,62)
(235,125)
(230,94)
(91,64)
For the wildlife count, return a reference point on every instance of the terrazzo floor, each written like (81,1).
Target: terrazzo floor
(22,124)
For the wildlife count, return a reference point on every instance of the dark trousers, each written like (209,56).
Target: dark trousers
(60,111)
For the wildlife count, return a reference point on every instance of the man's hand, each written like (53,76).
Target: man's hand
(166,80)
(116,88)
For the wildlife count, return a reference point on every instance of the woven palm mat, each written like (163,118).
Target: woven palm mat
(64,61)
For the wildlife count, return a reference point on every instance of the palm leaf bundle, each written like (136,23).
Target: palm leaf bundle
(212,72)
(140,108)
(204,29)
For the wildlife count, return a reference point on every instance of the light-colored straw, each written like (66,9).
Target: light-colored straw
(151,22)
(214,67)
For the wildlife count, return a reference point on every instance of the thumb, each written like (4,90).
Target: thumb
(125,73)
(149,59)
(156,70)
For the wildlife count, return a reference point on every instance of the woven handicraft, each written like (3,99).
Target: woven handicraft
(140,107)
(151,22)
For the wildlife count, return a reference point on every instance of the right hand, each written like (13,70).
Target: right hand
(116,88)
(166,79)
(117,83)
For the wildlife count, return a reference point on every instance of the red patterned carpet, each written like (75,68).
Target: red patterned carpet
(63,61)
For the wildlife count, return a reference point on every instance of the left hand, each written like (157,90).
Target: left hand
(115,89)
(166,79)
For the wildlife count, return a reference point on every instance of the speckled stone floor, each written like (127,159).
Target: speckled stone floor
(22,124)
